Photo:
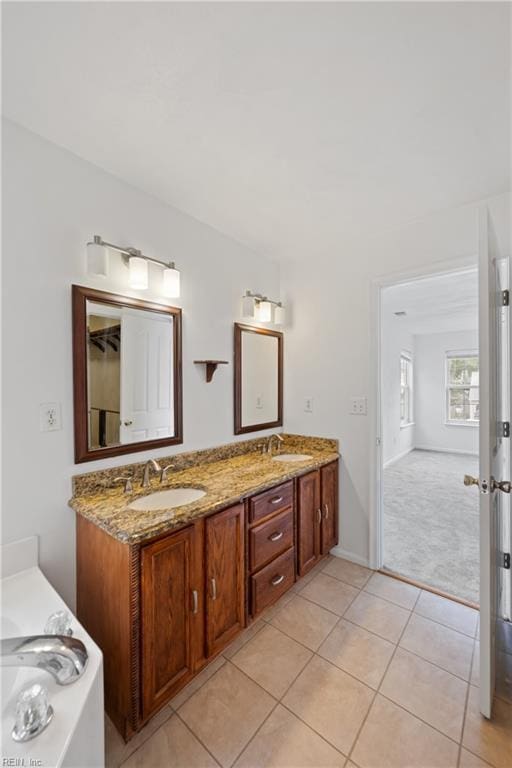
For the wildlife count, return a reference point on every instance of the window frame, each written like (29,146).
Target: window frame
(451,355)
(408,357)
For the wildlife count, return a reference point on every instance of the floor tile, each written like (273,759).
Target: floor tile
(440,645)
(393,738)
(504,676)
(447,612)
(243,638)
(272,659)
(269,613)
(117,751)
(469,760)
(351,573)
(358,652)
(285,742)
(226,712)
(304,621)
(379,616)
(489,739)
(333,703)
(197,682)
(330,593)
(172,746)
(435,696)
(394,590)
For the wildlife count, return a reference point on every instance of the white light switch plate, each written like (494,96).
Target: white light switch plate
(358,406)
(50,419)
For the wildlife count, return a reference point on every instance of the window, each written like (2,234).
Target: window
(405,389)
(462,390)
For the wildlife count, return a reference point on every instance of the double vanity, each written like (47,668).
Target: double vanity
(168,574)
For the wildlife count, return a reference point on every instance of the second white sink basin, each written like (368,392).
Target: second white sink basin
(292,457)
(172,497)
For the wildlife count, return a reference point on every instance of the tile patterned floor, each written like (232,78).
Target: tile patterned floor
(349,670)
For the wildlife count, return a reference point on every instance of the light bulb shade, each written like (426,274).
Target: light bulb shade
(97,259)
(171,283)
(248,307)
(138,273)
(264,311)
(279,315)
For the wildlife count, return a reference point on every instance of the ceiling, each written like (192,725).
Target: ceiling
(434,304)
(292,127)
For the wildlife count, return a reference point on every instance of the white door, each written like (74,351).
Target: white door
(146,376)
(494,451)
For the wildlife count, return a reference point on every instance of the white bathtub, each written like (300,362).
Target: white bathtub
(75,737)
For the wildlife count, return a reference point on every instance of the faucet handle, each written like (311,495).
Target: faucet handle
(33,713)
(58,623)
(164,470)
(128,487)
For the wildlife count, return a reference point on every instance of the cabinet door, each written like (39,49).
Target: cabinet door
(225,603)
(308,521)
(167,607)
(329,484)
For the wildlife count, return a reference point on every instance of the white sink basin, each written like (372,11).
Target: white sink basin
(292,457)
(172,497)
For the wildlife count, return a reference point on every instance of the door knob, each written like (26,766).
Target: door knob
(501,485)
(469,480)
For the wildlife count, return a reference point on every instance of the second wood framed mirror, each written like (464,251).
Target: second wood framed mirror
(258,382)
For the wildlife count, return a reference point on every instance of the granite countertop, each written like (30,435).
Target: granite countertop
(226,482)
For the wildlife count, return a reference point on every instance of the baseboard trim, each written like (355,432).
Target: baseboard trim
(397,457)
(346,555)
(445,450)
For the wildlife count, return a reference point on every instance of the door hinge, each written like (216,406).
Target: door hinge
(505,298)
(503,428)
(505,560)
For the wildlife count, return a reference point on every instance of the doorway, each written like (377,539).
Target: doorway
(429,385)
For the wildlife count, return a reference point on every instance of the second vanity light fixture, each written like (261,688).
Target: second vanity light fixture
(257,307)
(137,263)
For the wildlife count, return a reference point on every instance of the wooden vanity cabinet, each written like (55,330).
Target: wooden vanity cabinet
(225,576)
(170,599)
(317,515)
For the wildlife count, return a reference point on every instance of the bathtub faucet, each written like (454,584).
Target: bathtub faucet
(65,658)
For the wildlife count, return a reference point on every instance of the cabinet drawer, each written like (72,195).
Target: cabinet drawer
(272,581)
(271,501)
(268,540)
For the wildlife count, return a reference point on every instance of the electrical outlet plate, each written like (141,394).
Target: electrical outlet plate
(50,419)
(308,405)
(358,406)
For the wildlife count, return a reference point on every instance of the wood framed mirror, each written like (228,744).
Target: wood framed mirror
(127,374)
(258,373)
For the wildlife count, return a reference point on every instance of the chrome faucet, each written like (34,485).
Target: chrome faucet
(150,464)
(65,658)
(271,440)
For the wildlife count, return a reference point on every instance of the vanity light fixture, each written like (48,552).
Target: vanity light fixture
(137,263)
(257,307)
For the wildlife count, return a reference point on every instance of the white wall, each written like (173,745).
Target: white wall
(432,432)
(53,203)
(395,339)
(328,347)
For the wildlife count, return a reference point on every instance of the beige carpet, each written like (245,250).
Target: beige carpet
(431,521)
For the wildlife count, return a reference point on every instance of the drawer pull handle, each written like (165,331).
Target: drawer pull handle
(276,536)
(276,499)
(319,513)
(326,511)
(194,601)
(214,589)
(277,580)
